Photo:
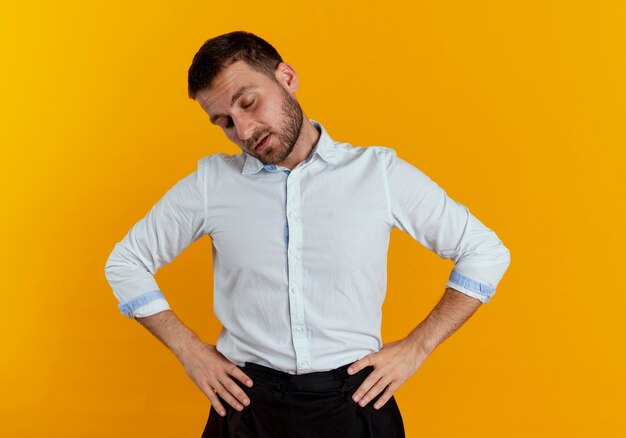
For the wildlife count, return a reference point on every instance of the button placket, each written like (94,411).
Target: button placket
(296,299)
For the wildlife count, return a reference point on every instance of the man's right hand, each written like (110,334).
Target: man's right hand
(212,372)
(207,367)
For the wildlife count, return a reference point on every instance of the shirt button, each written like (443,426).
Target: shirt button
(291,214)
(304,363)
(294,290)
(292,251)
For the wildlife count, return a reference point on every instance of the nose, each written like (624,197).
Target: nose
(244,128)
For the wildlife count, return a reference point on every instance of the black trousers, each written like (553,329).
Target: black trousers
(313,405)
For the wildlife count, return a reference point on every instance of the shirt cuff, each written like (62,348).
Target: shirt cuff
(146,304)
(480,291)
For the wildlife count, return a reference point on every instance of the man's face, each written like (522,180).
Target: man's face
(256,113)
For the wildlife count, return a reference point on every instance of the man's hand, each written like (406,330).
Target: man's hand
(207,367)
(393,365)
(212,372)
(397,361)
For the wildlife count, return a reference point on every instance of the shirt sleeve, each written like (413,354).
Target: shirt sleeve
(421,208)
(174,222)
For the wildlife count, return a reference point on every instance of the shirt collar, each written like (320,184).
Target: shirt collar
(325,148)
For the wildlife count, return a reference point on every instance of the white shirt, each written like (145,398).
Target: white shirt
(300,256)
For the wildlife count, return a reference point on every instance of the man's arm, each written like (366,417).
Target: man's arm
(206,366)
(423,209)
(399,360)
(173,223)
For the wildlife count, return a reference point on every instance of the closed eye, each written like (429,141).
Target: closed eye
(229,123)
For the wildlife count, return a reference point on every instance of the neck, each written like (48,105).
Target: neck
(309,136)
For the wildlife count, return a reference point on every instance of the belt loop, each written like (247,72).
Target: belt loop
(341,372)
(342,376)
(345,385)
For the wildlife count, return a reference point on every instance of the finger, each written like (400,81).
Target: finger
(360,364)
(385,397)
(374,391)
(236,372)
(366,385)
(215,401)
(228,397)
(236,391)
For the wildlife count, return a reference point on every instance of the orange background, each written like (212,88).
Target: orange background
(516,109)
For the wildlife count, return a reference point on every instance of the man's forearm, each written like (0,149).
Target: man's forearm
(447,316)
(170,331)
(397,361)
(208,368)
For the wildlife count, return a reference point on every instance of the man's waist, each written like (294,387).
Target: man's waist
(304,358)
(334,380)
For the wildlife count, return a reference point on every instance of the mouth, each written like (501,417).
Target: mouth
(262,143)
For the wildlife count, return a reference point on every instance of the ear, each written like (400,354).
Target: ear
(287,76)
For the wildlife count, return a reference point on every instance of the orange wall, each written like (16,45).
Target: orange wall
(515,108)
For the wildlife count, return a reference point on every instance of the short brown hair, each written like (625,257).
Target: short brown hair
(221,51)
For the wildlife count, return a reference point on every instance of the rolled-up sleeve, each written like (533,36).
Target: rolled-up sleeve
(421,208)
(174,222)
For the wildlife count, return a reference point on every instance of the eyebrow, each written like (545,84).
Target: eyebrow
(233,99)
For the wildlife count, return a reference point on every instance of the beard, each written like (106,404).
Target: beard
(287,135)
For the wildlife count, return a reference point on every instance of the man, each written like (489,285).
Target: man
(300,228)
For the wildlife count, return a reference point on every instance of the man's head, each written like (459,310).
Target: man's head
(244,86)
(220,52)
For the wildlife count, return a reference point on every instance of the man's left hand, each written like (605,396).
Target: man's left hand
(393,365)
